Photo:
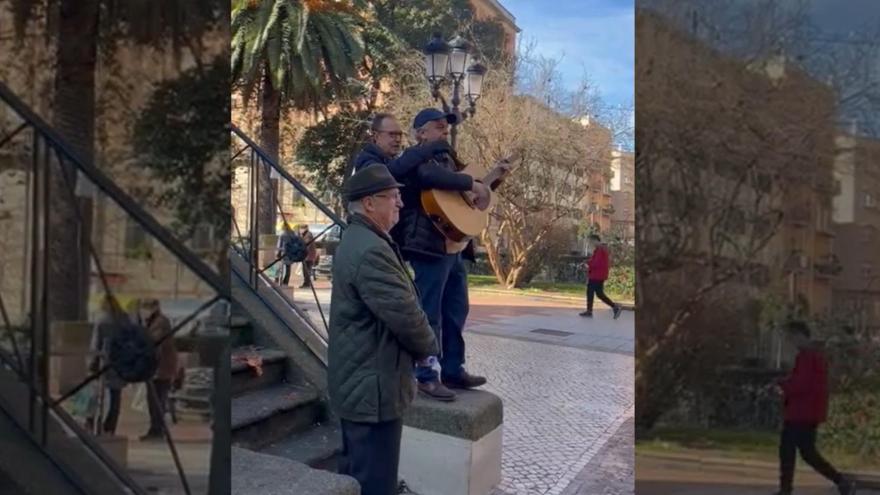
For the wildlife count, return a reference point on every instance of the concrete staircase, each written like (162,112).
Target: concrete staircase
(282,418)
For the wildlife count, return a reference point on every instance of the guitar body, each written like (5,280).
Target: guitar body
(452,215)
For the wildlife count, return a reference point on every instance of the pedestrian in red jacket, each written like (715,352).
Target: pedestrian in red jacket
(598,266)
(805,393)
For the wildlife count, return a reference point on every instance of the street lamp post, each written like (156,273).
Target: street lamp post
(453,62)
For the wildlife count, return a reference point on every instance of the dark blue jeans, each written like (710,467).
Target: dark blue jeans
(443,288)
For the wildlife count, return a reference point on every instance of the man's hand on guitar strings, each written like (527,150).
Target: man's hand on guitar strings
(483,195)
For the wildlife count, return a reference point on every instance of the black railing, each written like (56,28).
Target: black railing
(253,166)
(31,338)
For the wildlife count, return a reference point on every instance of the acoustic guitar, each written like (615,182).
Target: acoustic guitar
(454,213)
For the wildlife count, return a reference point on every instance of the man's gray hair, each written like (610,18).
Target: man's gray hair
(356,207)
(414,132)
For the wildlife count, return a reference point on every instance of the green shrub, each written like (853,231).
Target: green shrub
(622,281)
(854,424)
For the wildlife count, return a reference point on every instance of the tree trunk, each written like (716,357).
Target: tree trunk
(74,118)
(270,131)
(494,259)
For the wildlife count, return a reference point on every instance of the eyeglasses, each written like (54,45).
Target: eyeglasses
(395,197)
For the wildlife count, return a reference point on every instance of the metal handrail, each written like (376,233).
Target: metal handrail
(114,192)
(286,175)
(284,320)
(259,156)
(53,142)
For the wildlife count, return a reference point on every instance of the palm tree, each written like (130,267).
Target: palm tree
(299,53)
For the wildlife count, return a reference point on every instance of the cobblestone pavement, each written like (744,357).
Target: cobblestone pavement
(610,472)
(562,404)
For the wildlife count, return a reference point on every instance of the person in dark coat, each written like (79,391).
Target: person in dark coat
(283,277)
(308,264)
(111,319)
(805,396)
(377,329)
(158,325)
(438,263)
(386,141)
(598,267)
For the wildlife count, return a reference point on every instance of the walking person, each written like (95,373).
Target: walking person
(109,322)
(598,266)
(308,264)
(805,399)
(158,325)
(377,330)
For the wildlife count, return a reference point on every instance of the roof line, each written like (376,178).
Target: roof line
(506,13)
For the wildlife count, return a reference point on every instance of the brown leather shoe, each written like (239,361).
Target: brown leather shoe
(437,391)
(465,380)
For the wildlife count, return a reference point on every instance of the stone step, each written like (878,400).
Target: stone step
(317,447)
(246,379)
(253,473)
(262,416)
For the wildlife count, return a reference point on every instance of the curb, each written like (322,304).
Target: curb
(872,476)
(626,305)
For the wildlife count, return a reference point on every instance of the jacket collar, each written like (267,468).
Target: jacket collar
(362,220)
(372,153)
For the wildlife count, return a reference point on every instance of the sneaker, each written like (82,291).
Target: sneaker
(464,381)
(437,391)
(586,314)
(617,312)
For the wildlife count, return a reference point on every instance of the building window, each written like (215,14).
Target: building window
(137,243)
(867,269)
(870,201)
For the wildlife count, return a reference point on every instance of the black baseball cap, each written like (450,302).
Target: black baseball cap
(429,114)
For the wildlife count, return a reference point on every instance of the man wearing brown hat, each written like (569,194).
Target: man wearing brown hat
(377,331)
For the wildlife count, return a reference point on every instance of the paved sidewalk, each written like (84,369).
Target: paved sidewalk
(566,404)
(551,323)
(567,389)
(662,475)
(611,471)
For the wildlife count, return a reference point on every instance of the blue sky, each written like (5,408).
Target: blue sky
(592,36)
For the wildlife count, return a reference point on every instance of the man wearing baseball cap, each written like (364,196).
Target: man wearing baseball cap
(439,269)
(377,330)
(386,139)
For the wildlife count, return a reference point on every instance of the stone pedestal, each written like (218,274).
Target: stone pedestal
(453,448)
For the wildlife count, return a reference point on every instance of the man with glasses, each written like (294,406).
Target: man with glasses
(377,329)
(386,143)
(438,264)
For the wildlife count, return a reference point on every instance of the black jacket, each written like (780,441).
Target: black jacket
(405,162)
(415,232)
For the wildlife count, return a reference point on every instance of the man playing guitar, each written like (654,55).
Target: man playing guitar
(440,274)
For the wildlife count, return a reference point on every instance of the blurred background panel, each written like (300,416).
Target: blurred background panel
(757,177)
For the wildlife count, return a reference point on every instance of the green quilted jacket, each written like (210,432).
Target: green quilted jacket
(377,328)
